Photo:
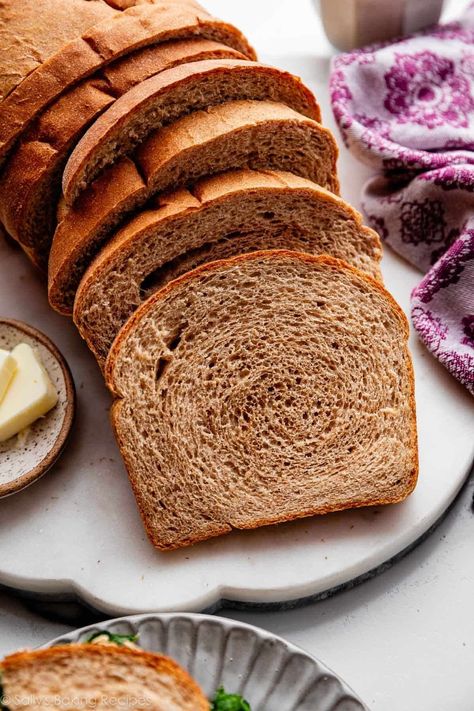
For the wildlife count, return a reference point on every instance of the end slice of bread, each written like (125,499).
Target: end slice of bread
(30,183)
(233,213)
(120,33)
(261,389)
(95,676)
(162,99)
(34,30)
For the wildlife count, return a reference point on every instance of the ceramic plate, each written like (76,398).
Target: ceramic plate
(269,672)
(77,533)
(23,460)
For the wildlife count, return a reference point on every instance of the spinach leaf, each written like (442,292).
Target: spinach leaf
(229,702)
(119,639)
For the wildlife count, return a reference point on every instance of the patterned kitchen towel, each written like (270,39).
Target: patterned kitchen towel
(406,108)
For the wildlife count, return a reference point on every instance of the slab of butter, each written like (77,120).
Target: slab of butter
(7,370)
(30,395)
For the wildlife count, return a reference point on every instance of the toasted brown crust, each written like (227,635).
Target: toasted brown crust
(156,662)
(33,30)
(127,31)
(69,245)
(115,122)
(31,180)
(68,251)
(215,266)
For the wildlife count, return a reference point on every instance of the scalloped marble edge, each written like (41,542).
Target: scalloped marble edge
(68,591)
(238,656)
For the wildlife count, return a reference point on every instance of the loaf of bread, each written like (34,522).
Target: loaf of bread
(261,389)
(162,99)
(84,676)
(30,184)
(236,134)
(233,300)
(92,46)
(230,214)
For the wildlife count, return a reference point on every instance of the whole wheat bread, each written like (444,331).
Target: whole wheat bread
(120,33)
(254,134)
(30,185)
(230,214)
(262,389)
(162,99)
(79,676)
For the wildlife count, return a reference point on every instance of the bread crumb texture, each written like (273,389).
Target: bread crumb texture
(262,389)
(230,214)
(80,676)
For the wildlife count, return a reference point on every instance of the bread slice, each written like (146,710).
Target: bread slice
(262,389)
(78,676)
(30,185)
(172,94)
(254,134)
(236,212)
(120,33)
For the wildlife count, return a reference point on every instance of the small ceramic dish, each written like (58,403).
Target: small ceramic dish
(270,673)
(23,460)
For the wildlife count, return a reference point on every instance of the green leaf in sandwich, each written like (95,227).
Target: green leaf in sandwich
(120,639)
(229,702)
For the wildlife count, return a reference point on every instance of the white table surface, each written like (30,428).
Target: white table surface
(404,640)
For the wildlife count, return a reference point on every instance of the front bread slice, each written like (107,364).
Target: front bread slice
(82,676)
(232,213)
(261,389)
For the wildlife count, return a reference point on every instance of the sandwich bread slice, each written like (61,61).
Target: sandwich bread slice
(85,676)
(261,389)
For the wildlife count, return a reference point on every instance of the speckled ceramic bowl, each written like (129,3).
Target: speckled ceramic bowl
(273,675)
(24,460)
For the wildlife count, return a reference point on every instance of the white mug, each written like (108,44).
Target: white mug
(354,23)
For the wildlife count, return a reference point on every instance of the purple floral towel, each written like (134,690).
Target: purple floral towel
(407,110)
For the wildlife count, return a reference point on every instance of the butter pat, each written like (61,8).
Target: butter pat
(30,395)
(7,370)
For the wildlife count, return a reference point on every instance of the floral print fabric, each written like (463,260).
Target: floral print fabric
(407,110)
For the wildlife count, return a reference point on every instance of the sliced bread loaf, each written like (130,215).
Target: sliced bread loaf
(172,94)
(262,389)
(82,676)
(253,134)
(230,214)
(30,185)
(119,34)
